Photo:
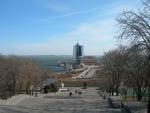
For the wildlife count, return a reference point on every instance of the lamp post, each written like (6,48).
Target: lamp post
(36,92)
(148,108)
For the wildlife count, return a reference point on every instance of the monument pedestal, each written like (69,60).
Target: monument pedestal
(62,89)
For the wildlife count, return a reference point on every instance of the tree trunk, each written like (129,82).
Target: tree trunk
(148,109)
(125,96)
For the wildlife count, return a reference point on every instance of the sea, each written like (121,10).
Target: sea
(49,62)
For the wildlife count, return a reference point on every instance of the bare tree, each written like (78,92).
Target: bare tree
(17,74)
(136,69)
(31,74)
(135,27)
(112,63)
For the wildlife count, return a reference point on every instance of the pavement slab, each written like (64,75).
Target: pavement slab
(88,102)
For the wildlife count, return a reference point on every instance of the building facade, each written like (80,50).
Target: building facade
(89,60)
(78,53)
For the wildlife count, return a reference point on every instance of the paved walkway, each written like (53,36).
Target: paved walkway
(88,102)
(87,73)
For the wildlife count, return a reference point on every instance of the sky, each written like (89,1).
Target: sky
(52,27)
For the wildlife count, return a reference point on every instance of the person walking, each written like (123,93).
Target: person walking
(70,94)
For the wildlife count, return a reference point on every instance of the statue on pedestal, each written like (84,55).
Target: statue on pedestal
(62,85)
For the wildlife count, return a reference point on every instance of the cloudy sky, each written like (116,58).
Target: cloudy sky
(52,27)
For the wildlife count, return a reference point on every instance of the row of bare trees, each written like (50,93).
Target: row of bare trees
(130,65)
(126,66)
(17,75)
(112,66)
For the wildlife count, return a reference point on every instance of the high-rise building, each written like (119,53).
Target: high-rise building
(78,53)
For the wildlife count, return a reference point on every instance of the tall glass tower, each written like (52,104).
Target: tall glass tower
(78,53)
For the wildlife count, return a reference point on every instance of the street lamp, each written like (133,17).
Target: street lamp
(148,109)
